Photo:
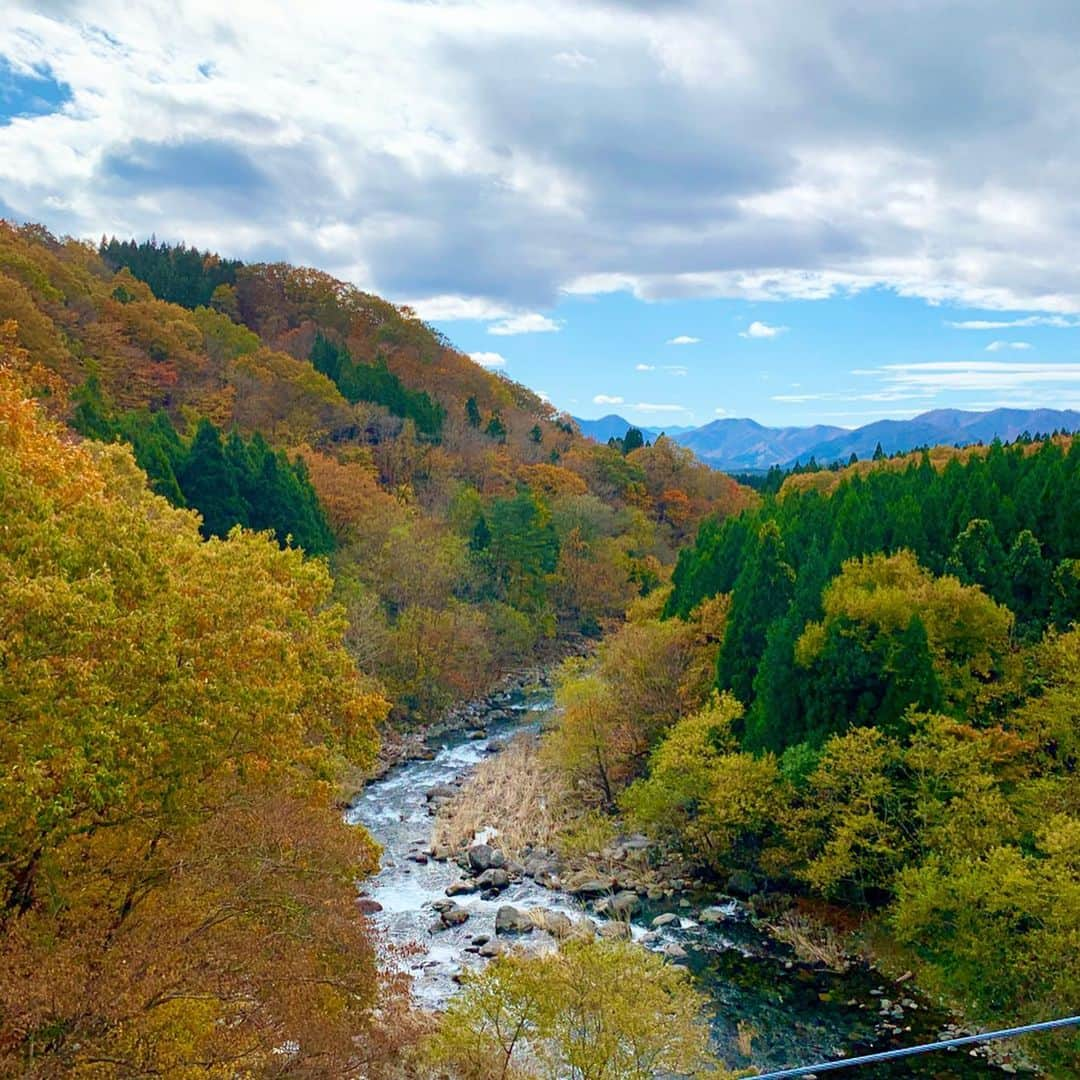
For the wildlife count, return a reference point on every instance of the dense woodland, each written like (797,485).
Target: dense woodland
(865,693)
(249,513)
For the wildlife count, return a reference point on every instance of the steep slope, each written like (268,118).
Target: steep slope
(466,522)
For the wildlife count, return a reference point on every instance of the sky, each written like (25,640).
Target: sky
(825,211)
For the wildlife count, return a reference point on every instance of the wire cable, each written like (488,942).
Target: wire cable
(925,1048)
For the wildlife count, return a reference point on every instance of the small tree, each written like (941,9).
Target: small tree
(591,1011)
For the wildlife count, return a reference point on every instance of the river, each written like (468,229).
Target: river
(794,1013)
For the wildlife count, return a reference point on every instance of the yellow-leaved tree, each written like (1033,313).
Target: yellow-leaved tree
(176,882)
(594,1010)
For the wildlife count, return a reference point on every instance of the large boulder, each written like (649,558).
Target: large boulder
(480,857)
(510,920)
(615,931)
(590,888)
(494,878)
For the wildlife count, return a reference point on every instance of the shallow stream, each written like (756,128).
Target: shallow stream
(790,1013)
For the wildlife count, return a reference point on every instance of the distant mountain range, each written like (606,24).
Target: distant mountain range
(746,445)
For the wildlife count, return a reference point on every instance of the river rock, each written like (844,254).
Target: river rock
(509,920)
(615,930)
(418,857)
(440,793)
(494,878)
(558,924)
(478,734)
(592,887)
(480,858)
(491,949)
(674,951)
(710,916)
(481,939)
(366,906)
(665,920)
(623,905)
(462,888)
(454,916)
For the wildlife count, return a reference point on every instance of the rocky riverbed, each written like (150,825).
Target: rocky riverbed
(442,912)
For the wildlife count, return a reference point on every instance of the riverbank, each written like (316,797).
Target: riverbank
(407,743)
(513,819)
(440,914)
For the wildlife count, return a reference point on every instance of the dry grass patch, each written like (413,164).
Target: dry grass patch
(813,942)
(514,793)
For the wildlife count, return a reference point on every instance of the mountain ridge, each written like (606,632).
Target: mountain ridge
(744,444)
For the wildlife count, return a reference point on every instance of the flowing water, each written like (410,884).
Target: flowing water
(791,1013)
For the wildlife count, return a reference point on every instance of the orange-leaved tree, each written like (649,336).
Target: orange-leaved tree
(175,879)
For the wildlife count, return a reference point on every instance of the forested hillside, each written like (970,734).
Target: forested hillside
(888,719)
(242,524)
(466,522)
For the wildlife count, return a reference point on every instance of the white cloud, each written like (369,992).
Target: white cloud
(448,308)
(571,58)
(528,323)
(489,359)
(762,330)
(671,369)
(1056,321)
(607,399)
(684,339)
(998,346)
(645,406)
(463,178)
(722,412)
(983,375)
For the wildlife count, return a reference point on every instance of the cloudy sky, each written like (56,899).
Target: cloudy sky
(797,210)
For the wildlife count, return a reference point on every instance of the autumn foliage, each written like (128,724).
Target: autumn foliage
(175,883)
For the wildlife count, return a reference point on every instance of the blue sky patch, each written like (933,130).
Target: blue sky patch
(36,94)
